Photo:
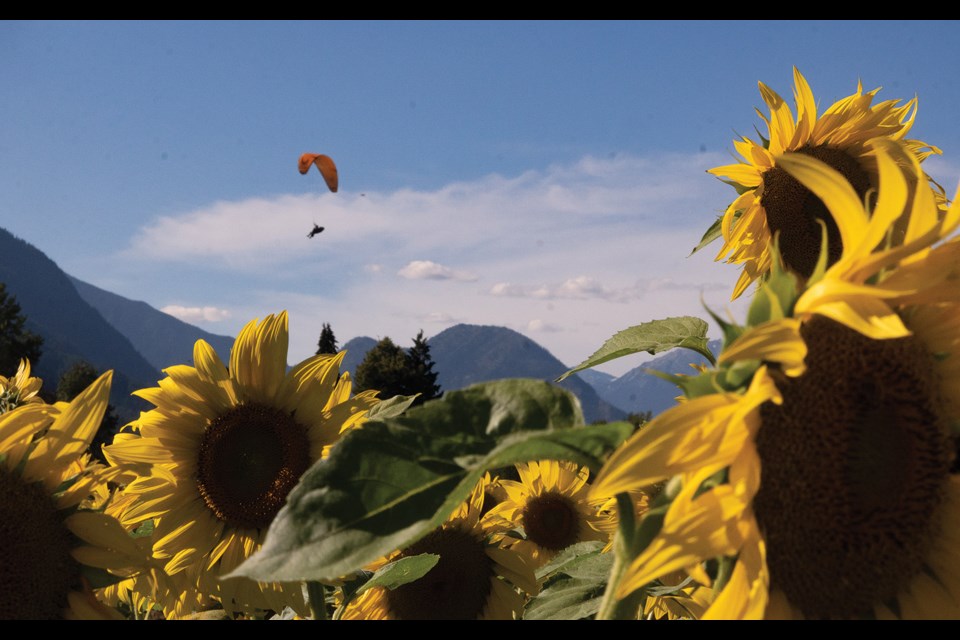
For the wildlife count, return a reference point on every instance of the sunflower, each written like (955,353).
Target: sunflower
(549,504)
(19,389)
(222,449)
(818,464)
(609,518)
(50,547)
(152,593)
(476,578)
(771,201)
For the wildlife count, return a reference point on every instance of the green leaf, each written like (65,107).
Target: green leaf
(143,530)
(710,235)
(402,571)
(730,331)
(496,408)
(784,284)
(391,407)
(653,337)
(574,562)
(660,589)
(695,386)
(764,307)
(390,482)
(566,599)
(575,590)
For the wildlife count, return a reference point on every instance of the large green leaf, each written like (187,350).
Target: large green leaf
(574,586)
(577,561)
(391,482)
(653,337)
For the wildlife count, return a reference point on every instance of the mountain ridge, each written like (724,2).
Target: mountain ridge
(71,328)
(171,339)
(81,321)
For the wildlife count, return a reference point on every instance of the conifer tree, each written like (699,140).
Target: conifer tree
(421,377)
(393,371)
(384,369)
(15,341)
(328,342)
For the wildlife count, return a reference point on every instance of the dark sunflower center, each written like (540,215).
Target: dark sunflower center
(457,587)
(551,521)
(490,500)
(249,459)
(793,211)
(854,465)
(36,568)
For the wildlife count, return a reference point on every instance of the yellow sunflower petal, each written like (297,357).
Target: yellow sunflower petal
(746,594)
(776,341)
(211,368)
(781,119)
(704,432)
(742,174)
(714,524)
(71,432)
(806,110)
(19,425)
(870,316)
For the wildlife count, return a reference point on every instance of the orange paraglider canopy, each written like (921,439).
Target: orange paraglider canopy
(325,164)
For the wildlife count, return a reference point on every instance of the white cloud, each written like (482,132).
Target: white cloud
(592,247)
(196,314)
(441,318)
(589,288)
(429,270)
(562,208)
(541,326)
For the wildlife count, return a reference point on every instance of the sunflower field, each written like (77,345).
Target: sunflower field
(809,472)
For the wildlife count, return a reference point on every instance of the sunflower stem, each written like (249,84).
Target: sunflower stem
(623,548)
(317,594)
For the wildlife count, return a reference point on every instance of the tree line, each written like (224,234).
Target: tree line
(390,369)
(18,343)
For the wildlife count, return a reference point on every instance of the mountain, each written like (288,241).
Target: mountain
(71,328)
(638,390)
(159,337)
(80,321)
(467,354)
(596,379)
(356,349)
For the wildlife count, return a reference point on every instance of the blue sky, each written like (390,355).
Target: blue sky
(544,176)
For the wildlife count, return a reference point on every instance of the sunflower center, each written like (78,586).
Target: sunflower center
(794,211)
(37,569)
(249,459)
(550,521)
(854,467)
(458,587)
